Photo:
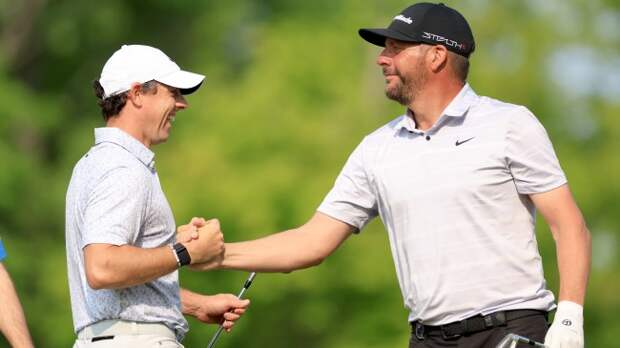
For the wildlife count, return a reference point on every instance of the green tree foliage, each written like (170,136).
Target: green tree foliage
(290,90)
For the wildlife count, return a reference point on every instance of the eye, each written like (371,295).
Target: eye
(394,49)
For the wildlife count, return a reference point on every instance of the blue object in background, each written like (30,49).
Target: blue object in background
(2,252)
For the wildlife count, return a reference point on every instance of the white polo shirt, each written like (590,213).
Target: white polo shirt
(454,200)
(115,197)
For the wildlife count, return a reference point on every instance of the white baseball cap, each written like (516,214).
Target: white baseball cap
(139,64)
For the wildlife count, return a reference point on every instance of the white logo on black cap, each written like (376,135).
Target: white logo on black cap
(442,40)
(402,18)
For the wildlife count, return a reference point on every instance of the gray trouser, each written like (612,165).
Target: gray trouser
(126,334)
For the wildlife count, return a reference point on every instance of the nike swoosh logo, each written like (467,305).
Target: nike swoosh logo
(463,142)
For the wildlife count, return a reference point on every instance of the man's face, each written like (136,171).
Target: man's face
(404,69)
(160,111)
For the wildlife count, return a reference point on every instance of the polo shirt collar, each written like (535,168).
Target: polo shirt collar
(461,103)
(126,141)
(406,121)
(457,108)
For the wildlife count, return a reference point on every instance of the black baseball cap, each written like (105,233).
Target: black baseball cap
(435,24)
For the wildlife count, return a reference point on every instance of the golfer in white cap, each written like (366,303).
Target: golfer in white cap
(122,248)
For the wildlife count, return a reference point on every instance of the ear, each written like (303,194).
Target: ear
(135,95)
(437,57)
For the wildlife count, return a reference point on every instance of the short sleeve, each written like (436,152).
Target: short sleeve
(116,208)
(351,200)
(530,155)
(2,251)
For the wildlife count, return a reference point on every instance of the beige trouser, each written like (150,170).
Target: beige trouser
(126,334)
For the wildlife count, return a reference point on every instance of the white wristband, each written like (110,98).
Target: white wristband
(174,252)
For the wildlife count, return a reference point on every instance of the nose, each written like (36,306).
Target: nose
(383,59)
(180,102)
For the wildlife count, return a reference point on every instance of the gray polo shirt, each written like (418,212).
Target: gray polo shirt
(115,197)
(454,200)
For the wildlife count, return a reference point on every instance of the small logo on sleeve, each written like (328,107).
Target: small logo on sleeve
(567,322)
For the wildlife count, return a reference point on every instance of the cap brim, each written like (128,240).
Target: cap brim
(187,82)
(378,36)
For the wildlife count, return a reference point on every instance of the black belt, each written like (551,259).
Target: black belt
(473,324)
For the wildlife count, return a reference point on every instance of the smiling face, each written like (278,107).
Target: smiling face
(159,112)
(404,68)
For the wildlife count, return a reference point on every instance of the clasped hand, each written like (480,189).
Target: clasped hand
(204,241)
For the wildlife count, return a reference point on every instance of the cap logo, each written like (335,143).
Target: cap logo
(443,40)
(402,18)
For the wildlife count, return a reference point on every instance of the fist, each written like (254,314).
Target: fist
(187,233)
(223,309)
(208,247)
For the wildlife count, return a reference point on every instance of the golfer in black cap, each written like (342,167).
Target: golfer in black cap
(457,180)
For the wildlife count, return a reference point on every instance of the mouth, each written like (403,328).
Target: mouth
(390,77)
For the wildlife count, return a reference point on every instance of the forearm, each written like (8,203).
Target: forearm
(573,248)
(572,239)
(12,320)
(113,267)
(281,252)
(190,302)
(287,251)
(223,309)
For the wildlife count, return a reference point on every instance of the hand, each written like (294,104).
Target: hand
(189,232)
(567,328)
(208,248)
(222,309)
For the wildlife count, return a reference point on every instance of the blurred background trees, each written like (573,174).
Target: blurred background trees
(290,90)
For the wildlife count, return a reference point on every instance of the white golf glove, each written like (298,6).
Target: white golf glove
(567,328)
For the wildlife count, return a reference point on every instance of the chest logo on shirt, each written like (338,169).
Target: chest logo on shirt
(458,142)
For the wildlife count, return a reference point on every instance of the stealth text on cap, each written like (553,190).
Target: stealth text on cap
(442,39)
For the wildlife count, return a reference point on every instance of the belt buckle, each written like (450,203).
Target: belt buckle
(419,331)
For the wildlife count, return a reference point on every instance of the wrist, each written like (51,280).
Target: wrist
(181,254)
(188,302)
(569,309)
(174,253)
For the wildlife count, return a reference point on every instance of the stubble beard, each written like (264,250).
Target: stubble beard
(407,89)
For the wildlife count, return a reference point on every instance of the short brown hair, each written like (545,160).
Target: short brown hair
(111,106)
(460,65)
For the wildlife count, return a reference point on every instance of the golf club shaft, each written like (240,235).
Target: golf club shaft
(511,340)
(521,339)
(246,285)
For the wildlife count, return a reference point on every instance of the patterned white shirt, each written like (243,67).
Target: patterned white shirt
(454,200)
(115,197)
